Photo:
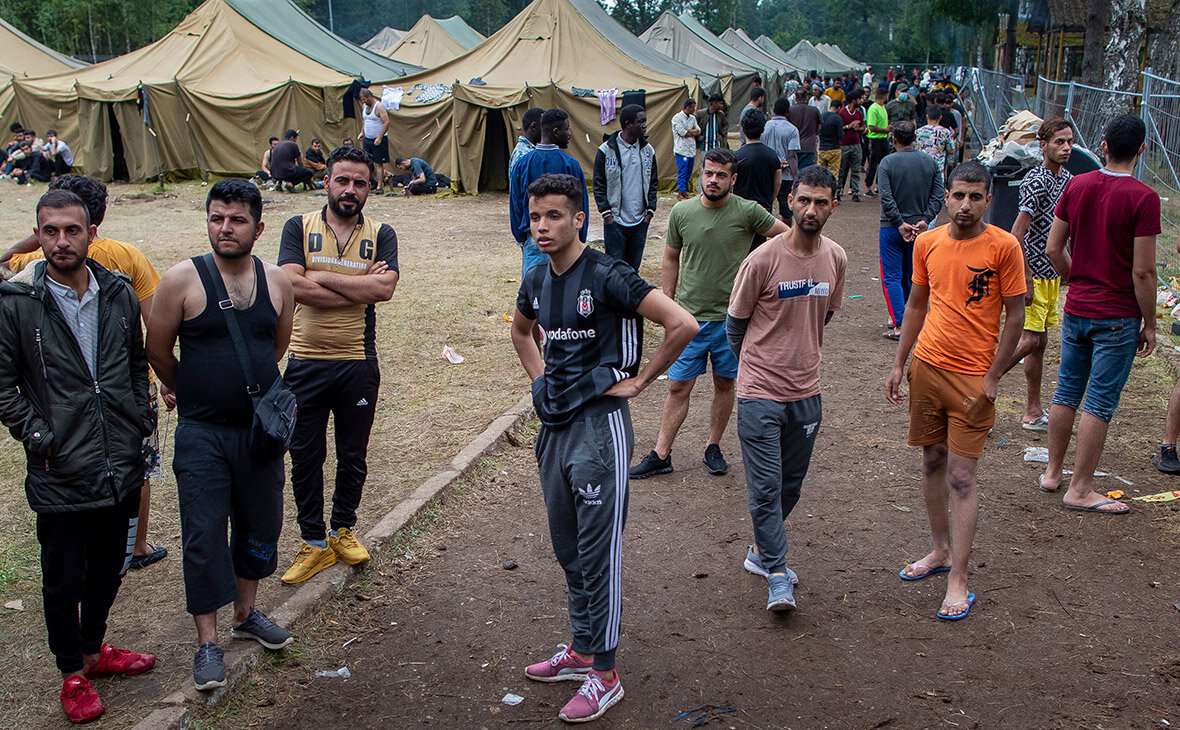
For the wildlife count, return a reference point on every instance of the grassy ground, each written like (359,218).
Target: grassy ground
(459,276)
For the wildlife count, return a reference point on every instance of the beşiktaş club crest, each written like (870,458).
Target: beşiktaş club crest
(585,303)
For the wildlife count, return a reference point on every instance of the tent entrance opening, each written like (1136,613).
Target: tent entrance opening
(119,172)
(493,169)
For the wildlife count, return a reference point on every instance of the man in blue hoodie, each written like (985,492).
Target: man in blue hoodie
(626,184)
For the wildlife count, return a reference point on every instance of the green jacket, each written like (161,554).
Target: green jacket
(83,436)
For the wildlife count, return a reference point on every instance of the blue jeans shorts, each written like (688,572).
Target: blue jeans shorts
(1096,358)
(709,342)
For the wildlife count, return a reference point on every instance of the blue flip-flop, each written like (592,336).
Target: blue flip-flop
(901,573)
(956,617)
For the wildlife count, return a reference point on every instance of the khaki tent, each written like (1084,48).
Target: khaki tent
(22,57)
(780,68)
(205,97)
(385,39)
(693,45)
(432,42)
(809,58)
(837,53)
(464,116)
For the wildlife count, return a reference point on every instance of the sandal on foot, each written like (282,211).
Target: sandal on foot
(1041,485)
(1097,508)
(1040,423)
(929,571)
(891,335)
(157,554)
(946,617)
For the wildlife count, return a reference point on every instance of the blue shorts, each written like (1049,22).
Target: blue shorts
(709,342)
(530,256)
(1096,358)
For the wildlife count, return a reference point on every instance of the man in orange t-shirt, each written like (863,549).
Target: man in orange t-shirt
(967,272)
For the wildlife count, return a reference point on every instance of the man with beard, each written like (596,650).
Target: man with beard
(218,477)
(784,295)
(341,265)
(708,237)
(82,430)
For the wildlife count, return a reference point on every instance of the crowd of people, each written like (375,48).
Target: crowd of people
(28,157)
(741,290)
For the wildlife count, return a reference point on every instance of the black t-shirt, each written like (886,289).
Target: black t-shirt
(593,333)
(313,156)
(831,129)
(283,159)
(757,168)
(948,120)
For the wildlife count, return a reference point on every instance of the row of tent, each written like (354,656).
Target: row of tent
(205,97)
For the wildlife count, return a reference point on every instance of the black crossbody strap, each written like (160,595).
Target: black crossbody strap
(231,321)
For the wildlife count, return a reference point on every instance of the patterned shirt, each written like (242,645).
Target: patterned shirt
(936,141)
(1039,192)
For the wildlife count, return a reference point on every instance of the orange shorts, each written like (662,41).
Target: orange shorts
(948,407)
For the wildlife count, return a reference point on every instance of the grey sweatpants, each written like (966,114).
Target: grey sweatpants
(583,467)
(777,440)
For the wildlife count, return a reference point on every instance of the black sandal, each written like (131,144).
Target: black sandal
(156,555)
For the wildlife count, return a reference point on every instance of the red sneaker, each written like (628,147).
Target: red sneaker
(79,700)
(119,661)
(595,697)
(564,665)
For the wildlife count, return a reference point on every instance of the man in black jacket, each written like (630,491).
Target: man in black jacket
(625,186)
(74,391)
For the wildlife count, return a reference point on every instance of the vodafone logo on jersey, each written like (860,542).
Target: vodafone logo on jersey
(568,333)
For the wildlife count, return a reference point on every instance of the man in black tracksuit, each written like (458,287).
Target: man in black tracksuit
(74,391)
(626,184)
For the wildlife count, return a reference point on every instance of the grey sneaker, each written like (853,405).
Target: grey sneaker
(260,628)
(209,667)
(651,465)
(782,593)
(714,461)
(754,563)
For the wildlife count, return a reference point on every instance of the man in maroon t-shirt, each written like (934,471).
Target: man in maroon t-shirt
(1110,220)
(850,149)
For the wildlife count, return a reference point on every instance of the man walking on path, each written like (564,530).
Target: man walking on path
(902,108)
(935,139)
(757,103)
(341,265)
(82,430)
(784,295)
(758,167)
(966,272)
(529,138)
(685,132)
(831,131)
(547,157)
(123,258)
(877,124)
(708,238)
(783,137)
(626,186)
(1039,193)
(219,479)
(851,158)
(911,189)
(593,347)
(806,119)
(1110,220)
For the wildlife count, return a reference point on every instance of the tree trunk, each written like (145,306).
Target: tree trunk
(1163,50)
(1010,37)
(1097,13)
(1128,30)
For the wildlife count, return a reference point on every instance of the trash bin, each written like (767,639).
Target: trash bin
(1006,179)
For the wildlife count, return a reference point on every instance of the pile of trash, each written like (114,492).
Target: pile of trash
(1016,145)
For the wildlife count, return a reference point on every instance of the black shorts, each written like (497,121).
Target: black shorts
(379,152)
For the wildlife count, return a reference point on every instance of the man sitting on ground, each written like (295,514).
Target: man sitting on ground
(424,181)
(287,164)
(57,153)
(314,157)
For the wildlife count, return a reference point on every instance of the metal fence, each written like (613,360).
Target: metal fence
(1088,107)
(1158,166)
(989,97)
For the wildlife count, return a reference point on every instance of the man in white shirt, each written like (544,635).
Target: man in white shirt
(685,132)
(58,153)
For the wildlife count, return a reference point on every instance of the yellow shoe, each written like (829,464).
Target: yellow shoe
(348,547)
(309,561)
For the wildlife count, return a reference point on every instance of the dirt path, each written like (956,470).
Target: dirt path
(1074,626)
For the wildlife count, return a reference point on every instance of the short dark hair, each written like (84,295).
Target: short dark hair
(933,111)
(753,123)
(971,171)
(1052,126)
(689,102)
(939,97)
(346,153)
(236,190)
(400,160)
(837,103)
(782,105)
(716,97)
(567,186)
(531,116)
(272,139)
(291,134)
(16,127)
(1124,136)
(757,79)
(629,114)
(315,140)
(552,119)
(904,133)
(58,199)
(721,156)
(363,91)
(91,191)
(51,133)
(757,92)
(816,176)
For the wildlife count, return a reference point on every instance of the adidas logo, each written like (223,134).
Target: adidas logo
(590,494)
(362,402)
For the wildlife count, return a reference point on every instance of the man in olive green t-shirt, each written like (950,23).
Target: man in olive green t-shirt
(708,238)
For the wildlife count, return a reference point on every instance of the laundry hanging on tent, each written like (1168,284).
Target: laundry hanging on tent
(391,99)
(430,93)
(141,101)
(350,97)
(606,104)
(578,91)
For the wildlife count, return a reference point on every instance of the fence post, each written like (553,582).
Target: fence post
(1067,114)
(1145,115)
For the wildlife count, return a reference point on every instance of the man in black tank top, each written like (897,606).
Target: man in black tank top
(217,476)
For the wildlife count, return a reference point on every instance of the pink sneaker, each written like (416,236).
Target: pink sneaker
(562,666)
(594,698)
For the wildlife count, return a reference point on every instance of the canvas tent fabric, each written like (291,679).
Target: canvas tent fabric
(740,41)
(217,86)
(22,56)
(385,39)
(536,60)
(432,42)
(835,52)
(809,58)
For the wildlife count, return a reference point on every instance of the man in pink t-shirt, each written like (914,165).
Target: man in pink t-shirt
(1110,220)
(784,294)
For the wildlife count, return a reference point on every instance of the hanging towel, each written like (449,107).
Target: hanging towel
(606,104)
(350,96)
(391,99)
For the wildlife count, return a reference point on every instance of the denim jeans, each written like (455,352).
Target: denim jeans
(1096,358)
(625,243)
